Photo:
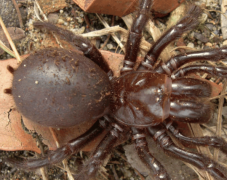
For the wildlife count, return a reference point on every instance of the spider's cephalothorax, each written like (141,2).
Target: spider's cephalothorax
(64,88)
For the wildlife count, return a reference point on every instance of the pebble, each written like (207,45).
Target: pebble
(225,42)
(109,46)
(201,37)
(53,18)
(191,35)
(208,44)
(79,30)
(191,45)
(210,26)
(68,19)
(60,21)
(80,20)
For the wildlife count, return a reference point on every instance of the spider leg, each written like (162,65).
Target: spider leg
(63,152)
(101,152)
(198,160)
(142,149)
(135,35)
(213,141)
(175,62)
(212,70)
(188,22)
(81,43)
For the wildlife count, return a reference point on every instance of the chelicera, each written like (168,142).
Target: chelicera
(64,88)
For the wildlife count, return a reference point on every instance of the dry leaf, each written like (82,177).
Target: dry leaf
(15,34)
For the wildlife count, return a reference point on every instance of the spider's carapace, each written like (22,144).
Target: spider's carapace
(141,98)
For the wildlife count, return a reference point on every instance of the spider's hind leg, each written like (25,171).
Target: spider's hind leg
(160,135)
(63,152)
(146,157)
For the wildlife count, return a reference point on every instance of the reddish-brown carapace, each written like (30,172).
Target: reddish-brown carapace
(64,88)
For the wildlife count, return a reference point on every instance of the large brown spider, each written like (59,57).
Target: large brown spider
(64,88)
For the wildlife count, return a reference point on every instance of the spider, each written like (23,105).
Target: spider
(64,88)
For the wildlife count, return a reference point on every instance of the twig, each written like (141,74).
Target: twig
(10,41)
(219,120)
(39,142)
(107,39)
(6,49)
(45,18)
(18,13)
(216,97)
(113,35)
(41,11)
(182,47)
(69,174)
(115,173)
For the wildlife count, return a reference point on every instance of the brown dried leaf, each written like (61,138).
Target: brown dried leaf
(15,34)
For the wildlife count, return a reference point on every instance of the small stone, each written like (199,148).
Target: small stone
(208,44)
(53,18)
(109,46)
(225,42)
(203,18)
(60,21)
(210,26)
(61,11)
(80,20)
(190,45)
(201,37)
(68,19)
(79,30)
(191,35)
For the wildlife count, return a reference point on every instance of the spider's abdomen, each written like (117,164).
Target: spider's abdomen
(60,88)
(141,98)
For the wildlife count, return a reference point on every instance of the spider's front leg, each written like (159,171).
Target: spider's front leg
(72,147)
(146,157)
(188,22)
(135,35)
(174,63)
(198,160)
